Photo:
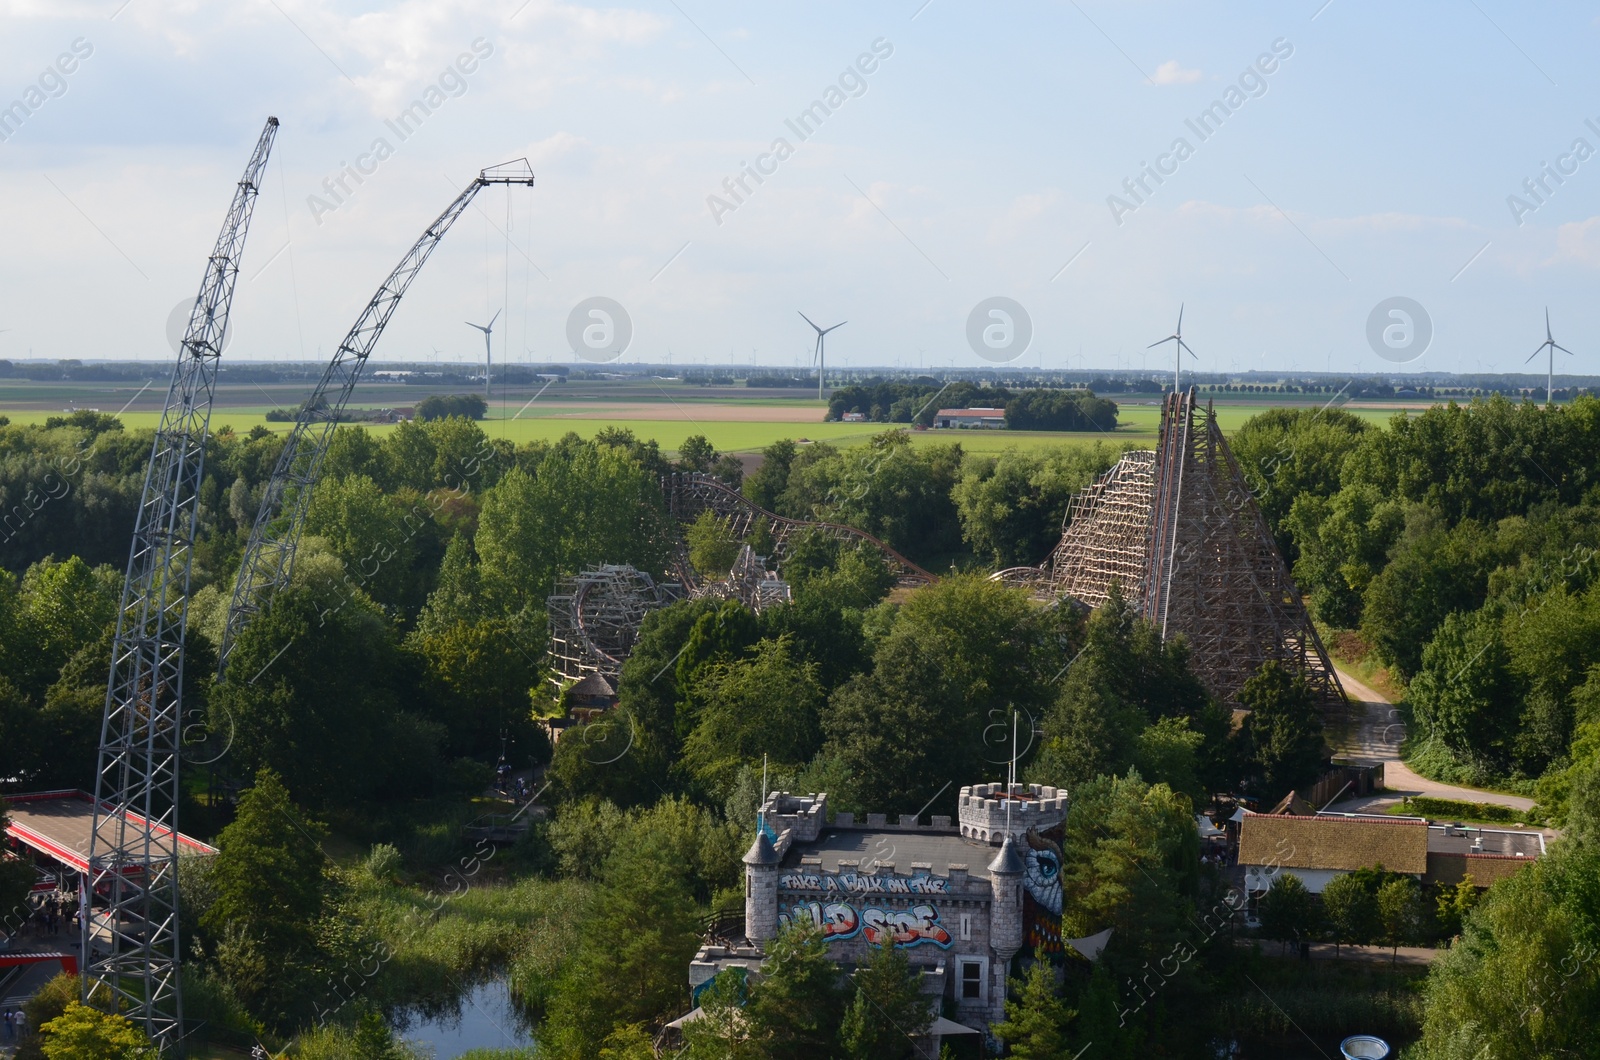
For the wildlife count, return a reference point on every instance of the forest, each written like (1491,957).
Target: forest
(1452,550)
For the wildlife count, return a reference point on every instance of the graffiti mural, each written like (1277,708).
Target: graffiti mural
(864,883)
(1041,913)
(841,920)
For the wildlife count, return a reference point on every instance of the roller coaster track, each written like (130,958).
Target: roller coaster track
(689,494)
(1179,530)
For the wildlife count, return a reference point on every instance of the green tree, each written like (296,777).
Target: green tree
(1352,910)
(1431,573)
(1130,860)
(1036,1023)
(1288,453)
(723,1030)
(1012,505)
(84,1033)
(958,657)
(368,530)
(268,888)
(635,937)
(1400,912)
(1280,740)
(696,453)
(712,545)
(767,702)
(1465,695)
(313,691)
(1289,912)
(1452,904)
(888,1011)
(764,486)
(584,504)
(797,1006)
(1126,679)
(1523,979)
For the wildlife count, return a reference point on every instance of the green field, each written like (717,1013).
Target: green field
(734,419)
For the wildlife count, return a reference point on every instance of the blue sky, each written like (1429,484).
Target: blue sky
(1374,160)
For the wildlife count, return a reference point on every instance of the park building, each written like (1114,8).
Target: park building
(963,897)
(1320,847)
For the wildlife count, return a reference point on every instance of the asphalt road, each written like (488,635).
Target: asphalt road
(1378,740)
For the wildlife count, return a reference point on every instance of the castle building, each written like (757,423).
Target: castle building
(962,898)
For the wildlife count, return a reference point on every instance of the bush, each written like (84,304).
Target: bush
(1456,809)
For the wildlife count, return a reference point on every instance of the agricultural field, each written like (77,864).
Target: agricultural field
(733,419)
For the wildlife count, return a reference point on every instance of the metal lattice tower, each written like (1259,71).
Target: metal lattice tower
(269,555)
(130,943)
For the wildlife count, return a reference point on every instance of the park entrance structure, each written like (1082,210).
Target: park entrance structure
(1179,532)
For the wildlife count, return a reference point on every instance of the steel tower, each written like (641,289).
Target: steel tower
(269,556)
(130,941)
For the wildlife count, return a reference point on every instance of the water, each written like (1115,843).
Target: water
(485,1017)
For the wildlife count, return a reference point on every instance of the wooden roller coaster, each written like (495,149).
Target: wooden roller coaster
(691,493)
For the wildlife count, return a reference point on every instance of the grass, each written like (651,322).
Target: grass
(625,405)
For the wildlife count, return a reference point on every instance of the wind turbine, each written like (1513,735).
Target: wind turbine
(821,359)
(1551,344)
(1177,337)
(488,352)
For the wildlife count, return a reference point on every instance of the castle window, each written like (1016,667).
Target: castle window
(971,980)
(966,927)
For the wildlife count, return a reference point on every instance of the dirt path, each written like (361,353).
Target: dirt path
(1378,740)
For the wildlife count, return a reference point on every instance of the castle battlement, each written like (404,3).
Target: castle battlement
(984,808)
(795,818)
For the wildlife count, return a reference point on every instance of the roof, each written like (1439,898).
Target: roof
(592,685)
(1485,869)
(58,823)
(937,850)
(1452,839)
(972,413)
(761,851)
(1007,860)
(1339,843)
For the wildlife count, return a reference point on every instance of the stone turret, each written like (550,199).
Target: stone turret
(761,865)
(1005,919)
(989,811)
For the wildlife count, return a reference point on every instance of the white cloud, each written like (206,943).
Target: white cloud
(1170,73)
(1578,242)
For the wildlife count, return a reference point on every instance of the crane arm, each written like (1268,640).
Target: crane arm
(269,555)
(135,953)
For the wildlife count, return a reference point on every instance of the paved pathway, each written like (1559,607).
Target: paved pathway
(1378,740)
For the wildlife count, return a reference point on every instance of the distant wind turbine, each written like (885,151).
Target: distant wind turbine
(1552,345)
(821,353)
(488,353)
(1182,347)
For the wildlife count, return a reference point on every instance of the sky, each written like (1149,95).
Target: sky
(1334,156)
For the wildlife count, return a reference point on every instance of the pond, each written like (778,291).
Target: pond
(484,1017)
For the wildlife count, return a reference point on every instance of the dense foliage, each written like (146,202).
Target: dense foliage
(917,401)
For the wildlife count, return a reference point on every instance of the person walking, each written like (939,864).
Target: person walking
(19,1022)
(11,1032)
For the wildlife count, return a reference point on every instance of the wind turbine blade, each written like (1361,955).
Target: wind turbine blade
(1563,349)
(808,320)
(1185,347)
(1180,318)
(841,324)
(492,319)
(1547,335)
(1153,345)
(1534,354)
